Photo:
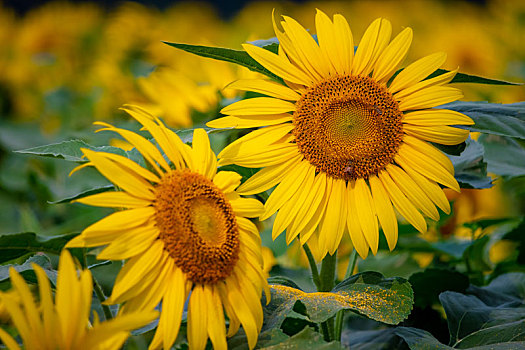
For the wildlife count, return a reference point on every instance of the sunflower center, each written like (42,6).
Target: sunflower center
(348,127)
(197,225)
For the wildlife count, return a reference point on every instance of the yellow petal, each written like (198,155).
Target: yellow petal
(172,307)
(146,148)
(120,175)
(413,192)
(247,207)
(393,55)
(268,177)
(312,201)
(130,243)
(443,134)
(227,181)
(329,42)
(417,71)
(114,200)
(266,87)
(423,164)
(244,314)
(430,151)
(216,324)
(204,160)
(270,155)
(374,41)
(307,49)
(354,226)
(435,117)
(112,226)
(344,42)
(252,121)
(333,224)
(288,211)
(8,341)
(432,189)
(255,140)
(402,204)
(441,79)
(277,65)
(385,211)
(288,186)
(257,106)
(430,97)
(366,214)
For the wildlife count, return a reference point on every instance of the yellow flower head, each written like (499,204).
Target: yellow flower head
(64,323)
(344,139)
(185,235)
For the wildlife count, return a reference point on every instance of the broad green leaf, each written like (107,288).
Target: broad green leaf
(493,118)
(306,339)
(512,331)
(84,194)
(476,255)
(467,314)
(469,78)
(388,300)
(428,284)
(418,339)
(470,169)
(229,55)
(16,245)
(69,150)
(26,269)
(504,155)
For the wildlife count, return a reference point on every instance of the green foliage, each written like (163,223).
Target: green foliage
(470,168)
(229,55)
(493,118)
(69,150)
(27,272)
(428,284)
(388,300)
(16,245)
(504,155)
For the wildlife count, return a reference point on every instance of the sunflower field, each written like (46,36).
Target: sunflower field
(276,175)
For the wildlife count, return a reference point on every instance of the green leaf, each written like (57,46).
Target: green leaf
(388,300)
(504,156)
(26,269)
(428,284)
(487,310)
(469,78)
(15,245)
(476,255)
(418,339)
(223,54)
(493,118)
(306,339)
(69,150)
(470,169)
(84,194)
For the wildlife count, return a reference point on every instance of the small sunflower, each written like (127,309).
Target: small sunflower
(345,140)
(64,323)
(185,235)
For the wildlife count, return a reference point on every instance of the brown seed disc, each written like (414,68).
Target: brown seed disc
(198,226)
(348,127)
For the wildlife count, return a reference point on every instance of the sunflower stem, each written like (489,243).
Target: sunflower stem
(313,266)
(98,289)
(341,313)
(327,278)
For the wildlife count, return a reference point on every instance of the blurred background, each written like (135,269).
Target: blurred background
(64,65)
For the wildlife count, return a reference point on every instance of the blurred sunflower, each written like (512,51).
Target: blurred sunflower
(63,324)
(354,147)
(185,234)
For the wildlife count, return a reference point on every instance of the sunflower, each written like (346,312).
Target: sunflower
(344,138)
(185,235)
(63,324)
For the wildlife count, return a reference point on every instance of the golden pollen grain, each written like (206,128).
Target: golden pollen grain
(198,226)
(348,127)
